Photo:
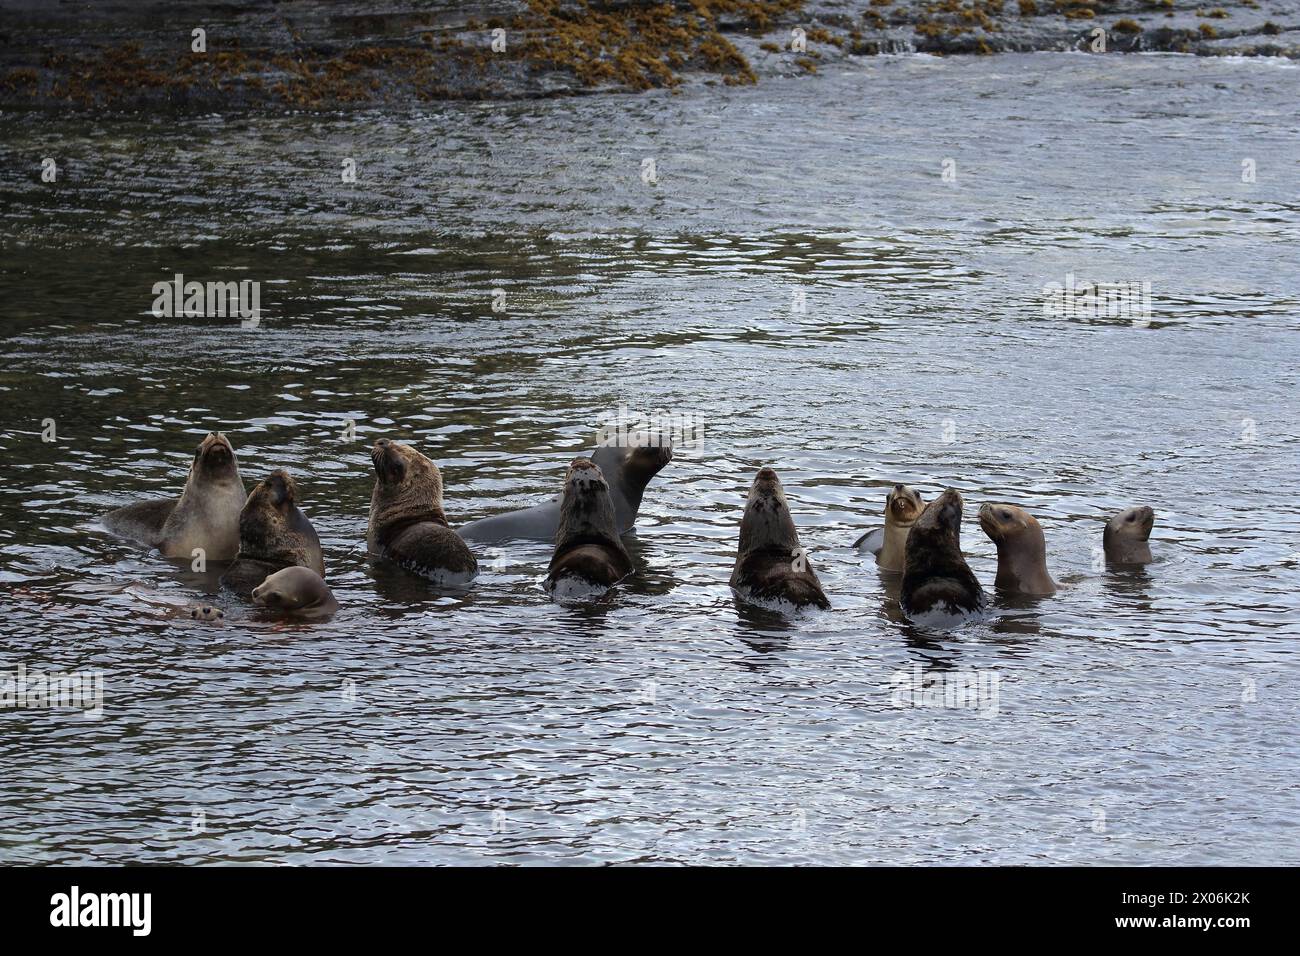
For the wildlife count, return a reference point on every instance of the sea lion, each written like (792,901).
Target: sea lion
(627,470)
(770,564)
(407,523)
(206,515)
(296,591)
(204,612)
(903,505)
(589,558)
(1022,552)
(1125,539)
(273,534)
(936,577)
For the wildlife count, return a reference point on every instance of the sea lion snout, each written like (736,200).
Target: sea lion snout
(389,462)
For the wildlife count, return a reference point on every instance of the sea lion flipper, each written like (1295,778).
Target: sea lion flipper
(142,521)
(872,541)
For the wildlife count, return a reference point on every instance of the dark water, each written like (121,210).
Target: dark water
(1142,716)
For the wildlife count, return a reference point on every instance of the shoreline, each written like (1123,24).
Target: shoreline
(189,56)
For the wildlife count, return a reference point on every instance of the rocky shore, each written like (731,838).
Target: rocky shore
(187,55)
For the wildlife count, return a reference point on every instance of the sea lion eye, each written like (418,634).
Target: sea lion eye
(221,614)
(1131,518)
(1006,515)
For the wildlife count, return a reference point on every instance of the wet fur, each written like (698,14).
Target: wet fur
(407,523)
(1126,542)
(296,591)
(587,545)
(206,515)
(1022,549)
(273,534)
(936,576)
(769,546)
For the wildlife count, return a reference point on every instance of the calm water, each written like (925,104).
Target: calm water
(1142,717)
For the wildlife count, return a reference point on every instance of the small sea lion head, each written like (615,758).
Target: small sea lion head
(903,505)
(767,522)
(1132,523)
(1002,522)
(215,458)
(207,612)
(939,524)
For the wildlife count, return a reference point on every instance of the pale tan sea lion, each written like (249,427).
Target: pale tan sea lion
(903,505)
(589,558)
(297,592)
(1022,551)
(771,566)
(936,577)
(407,523)
(205,516)
(273,534)
(1126,538)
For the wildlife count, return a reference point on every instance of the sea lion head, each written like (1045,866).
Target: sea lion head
(214,460)
(295,589)
(903,505)
(586,510)
(270,526)
(767,523)
(408,486)
(1126,535)
(207,612)
(637,460)
(1006,523)
(937,533)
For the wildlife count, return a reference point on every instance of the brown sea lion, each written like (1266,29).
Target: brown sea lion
(589,558)
(273,534)
(903,505)
(296,591)
(936,577)
(1125,539)
(205,516)
(771,566)
(1022,552)
(407,523)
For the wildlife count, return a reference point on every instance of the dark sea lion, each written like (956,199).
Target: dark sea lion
(407,523)
(298,592)
(589,558)
(1125,539)
(903,505)
(627,470)
(770,564)
(273,534)
(936,577)
(1022,551)
(206,515)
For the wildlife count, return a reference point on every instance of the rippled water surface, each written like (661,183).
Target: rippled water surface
(1142,716)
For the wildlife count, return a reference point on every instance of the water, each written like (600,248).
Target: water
(1142,716)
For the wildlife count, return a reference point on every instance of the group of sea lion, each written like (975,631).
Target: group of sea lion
(923,542)
(276,558)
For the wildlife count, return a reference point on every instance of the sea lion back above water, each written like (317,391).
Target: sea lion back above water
(627,469)
(205,516)
(903,505)
(588,556)
(1022,550)
(771,566)
(936,577)
(273,534)
(407,523)
(1126,539)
